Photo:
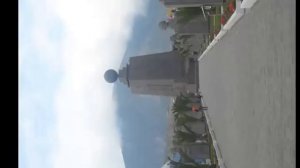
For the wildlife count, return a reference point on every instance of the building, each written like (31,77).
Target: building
(190,3)
(163,74)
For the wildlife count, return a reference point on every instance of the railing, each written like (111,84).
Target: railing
(221,163)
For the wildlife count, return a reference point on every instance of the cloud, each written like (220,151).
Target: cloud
(92,37)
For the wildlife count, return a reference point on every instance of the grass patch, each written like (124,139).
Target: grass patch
(215,22)
(186,14)
(218,18)
(218,23)
(215,18)
(212,23)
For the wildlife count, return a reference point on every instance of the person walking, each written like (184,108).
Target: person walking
(196,108)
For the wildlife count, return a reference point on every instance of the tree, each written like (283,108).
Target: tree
(181,103)
(174,37)
(184,38)
(182,137)
(184,52)
(163,25)
(188,162)
(181,118)
(180,164)
(184,15)
(187,158)
(201,136)
(179,110)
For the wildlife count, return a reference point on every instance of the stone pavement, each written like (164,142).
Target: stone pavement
(248,83)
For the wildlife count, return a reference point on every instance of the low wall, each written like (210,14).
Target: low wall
(248,3)
(235,17)
(221,163)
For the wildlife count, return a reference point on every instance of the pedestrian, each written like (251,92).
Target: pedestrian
(196,108)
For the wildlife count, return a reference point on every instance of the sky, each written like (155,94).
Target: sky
(68,115)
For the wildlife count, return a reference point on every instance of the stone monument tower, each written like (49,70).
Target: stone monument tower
(190,3)
(163,74)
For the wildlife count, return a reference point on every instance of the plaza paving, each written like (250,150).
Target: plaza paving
(248,83)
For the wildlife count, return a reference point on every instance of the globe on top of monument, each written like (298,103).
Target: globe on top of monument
(111,76)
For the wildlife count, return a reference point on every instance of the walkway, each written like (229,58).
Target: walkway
(248,83)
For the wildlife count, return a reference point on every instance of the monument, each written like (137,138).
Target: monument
(190,3)
(163,74)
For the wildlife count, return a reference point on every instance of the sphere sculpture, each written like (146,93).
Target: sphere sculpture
(111,76)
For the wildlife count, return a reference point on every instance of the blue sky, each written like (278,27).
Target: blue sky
(68,116)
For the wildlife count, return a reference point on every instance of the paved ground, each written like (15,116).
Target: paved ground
(248,84)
